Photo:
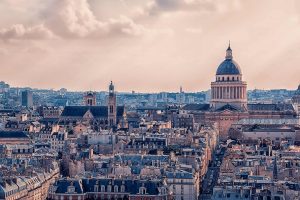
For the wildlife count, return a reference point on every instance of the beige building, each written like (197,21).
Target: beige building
(229,101)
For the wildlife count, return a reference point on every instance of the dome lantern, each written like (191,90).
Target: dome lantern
(228,52)
(228,66)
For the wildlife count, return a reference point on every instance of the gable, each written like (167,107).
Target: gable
(88,115)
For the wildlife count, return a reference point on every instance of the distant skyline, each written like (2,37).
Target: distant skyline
(147,46)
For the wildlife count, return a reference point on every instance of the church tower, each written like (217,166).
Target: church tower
(90,99)
(112,106)
(229,89)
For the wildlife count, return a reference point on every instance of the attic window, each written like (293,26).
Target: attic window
(142,190)
(71,189)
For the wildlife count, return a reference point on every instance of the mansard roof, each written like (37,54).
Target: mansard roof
(88,185)
(199,107)
(13,134)
(271,107)
(63,184)
(97,111)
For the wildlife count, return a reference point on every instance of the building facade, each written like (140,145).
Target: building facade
(229,104)
(99,117)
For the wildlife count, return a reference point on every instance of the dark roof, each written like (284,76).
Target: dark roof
(97,111)
(228,67)
(13,134)
(63,184)
(131,186)
(88,185)
(270,107)
(227,107)
(200,107)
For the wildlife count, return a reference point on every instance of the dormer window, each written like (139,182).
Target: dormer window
(116,188)
(71,189)
(109,188)
(102,188)
(142,190)
(96,188)
(122,188)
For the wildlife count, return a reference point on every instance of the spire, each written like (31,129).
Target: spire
(229,46)
(111,87)
(229,52)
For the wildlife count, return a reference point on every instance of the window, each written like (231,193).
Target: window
(142,190)
(116,188)
(102,188)
(111,109)
(122,188)
(95,188)
(109,188)
(71,189)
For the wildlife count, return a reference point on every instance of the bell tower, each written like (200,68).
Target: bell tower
(90,98)
(112,106)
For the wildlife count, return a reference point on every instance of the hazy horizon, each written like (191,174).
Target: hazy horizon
(147,46)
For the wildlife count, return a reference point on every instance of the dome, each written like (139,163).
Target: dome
(228,67)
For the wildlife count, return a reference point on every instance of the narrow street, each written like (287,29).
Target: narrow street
(212,175)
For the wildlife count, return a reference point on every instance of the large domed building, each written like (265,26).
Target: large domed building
(229,87)
(229,104)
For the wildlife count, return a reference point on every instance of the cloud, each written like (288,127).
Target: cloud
(19,31)
(157,7)
(73,19)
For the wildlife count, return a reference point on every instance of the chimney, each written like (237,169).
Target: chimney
(15,180)
(3,183)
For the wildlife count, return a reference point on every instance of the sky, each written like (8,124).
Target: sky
(147,45)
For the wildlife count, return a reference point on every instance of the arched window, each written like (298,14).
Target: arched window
(232,78)
(238,79)
(142,190)
(227,78)
(116,188)
(122,188)
(95,188)
(109,188)
(223,79)
(102,188)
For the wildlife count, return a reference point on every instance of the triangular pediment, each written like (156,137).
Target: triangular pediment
(228,108)
(88,115)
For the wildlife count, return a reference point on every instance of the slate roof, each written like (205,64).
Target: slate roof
(97,111)
(87,185)
(63,184)
(179,175)
(200,107)
(270,107)
(13,134)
